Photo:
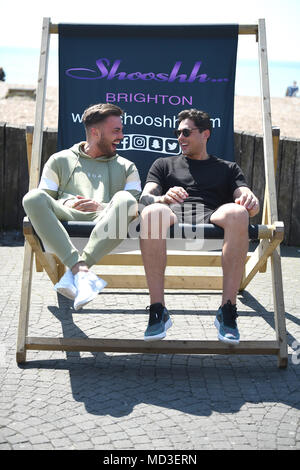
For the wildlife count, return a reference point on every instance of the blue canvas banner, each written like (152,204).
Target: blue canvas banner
(152,73)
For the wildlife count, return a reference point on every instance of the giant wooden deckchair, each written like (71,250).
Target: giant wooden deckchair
(270,234)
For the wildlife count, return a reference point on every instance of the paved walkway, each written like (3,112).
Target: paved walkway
(136,401)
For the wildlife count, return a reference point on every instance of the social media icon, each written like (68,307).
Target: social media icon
(156,143)
(149,143)
(139,142)
(172,146)
(125,143)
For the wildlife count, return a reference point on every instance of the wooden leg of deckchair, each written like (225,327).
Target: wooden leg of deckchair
(47,261)
(266,219)
(44,261)
(61,269)
(24,303)
(259,257)
(279,309)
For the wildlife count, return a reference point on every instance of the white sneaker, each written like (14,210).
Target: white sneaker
(88,286)
(97,281)
(100,283)
(66,286)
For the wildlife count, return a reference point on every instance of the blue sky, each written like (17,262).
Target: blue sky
(20,22)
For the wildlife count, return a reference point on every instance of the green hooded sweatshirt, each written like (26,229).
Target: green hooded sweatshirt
(72,172)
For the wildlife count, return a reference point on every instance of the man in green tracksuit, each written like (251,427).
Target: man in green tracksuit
(88,182)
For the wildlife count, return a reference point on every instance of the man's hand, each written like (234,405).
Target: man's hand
(84,204)
(246,198)
(174,195)
(152,194)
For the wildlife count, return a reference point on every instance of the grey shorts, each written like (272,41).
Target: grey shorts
(192,213)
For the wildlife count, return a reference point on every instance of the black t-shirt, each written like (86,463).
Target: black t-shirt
(210,182)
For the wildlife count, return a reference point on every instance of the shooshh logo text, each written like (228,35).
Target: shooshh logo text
(110,70)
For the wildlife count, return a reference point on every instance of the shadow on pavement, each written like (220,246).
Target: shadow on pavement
(114,384)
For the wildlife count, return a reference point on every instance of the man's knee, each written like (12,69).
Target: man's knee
(156,220)
(125,200)
(237,216)
(231,216)
(122,196)
(157,211)
(34,199)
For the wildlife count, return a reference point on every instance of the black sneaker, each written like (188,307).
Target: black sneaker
(159,322)
(225,323)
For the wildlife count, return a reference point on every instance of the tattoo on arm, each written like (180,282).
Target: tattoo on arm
(150,196)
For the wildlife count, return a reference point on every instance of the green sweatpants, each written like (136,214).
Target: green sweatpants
(45,214)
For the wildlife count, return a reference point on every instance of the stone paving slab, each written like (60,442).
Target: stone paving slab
(124,401)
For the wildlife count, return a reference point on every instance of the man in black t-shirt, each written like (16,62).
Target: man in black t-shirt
(195,187)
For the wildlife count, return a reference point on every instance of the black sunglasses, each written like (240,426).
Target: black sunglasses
(186,132)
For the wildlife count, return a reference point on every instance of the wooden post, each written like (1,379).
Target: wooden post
(24,303)
(34,165)
(275,139)
(40,107)
(271,199)
(265,214)
(29,140)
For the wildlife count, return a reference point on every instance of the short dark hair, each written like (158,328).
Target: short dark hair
(200,118)
(98,112)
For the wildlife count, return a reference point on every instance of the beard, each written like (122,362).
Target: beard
(107,148)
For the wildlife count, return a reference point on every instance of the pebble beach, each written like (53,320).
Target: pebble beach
(285,112)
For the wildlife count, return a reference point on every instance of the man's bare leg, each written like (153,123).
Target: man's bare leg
(234,219)
(155,221)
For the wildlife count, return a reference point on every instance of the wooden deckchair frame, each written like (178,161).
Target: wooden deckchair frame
(271,235)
